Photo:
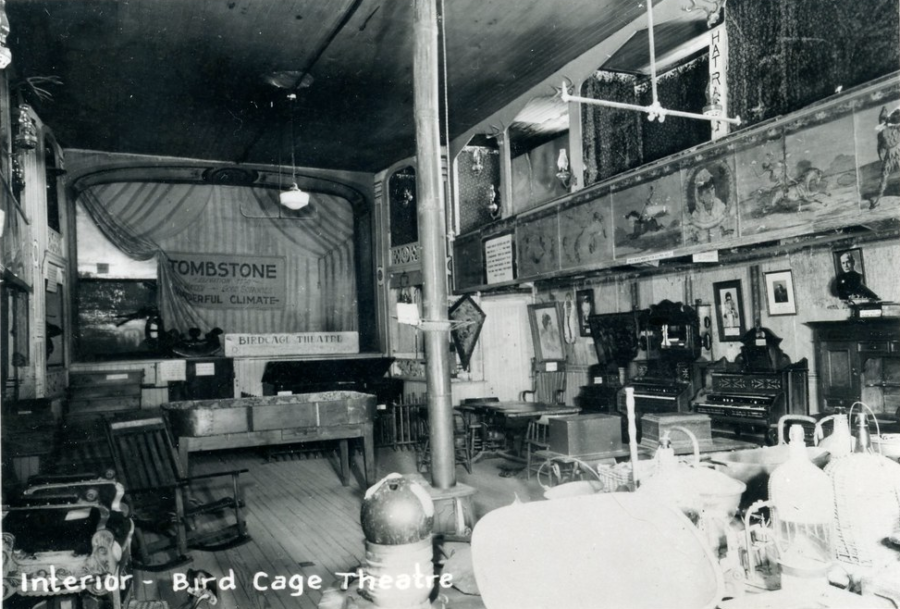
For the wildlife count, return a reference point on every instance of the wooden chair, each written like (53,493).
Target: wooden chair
(537,437)
(159,493)
(549,385)
(462,448)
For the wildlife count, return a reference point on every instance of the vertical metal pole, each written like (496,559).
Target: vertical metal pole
(433,254)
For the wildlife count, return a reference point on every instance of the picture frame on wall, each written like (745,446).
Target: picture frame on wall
(585,303)
(468,319)
(730,317)
(546,332)
(780,295)
(850,275)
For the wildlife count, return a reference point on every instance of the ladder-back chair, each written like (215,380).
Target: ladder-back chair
(160,496)
(537,438)
(549,383)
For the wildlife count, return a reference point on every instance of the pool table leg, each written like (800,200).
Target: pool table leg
(183,455)
(345,462)
(368,441)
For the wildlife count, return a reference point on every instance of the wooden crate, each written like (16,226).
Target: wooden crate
(104,391)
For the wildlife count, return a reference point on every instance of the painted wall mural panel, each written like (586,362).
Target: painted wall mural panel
(587,233)
(710,200)
(648,216)
(814,180)
(832,165)
(878,151)
(536,241)
(757,176)
(821,168)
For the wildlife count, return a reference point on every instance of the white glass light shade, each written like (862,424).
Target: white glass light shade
(294,198)
(562,163)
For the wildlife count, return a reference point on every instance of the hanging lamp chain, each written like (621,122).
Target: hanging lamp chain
(293,98)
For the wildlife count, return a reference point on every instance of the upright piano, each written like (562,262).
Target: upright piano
(750,394)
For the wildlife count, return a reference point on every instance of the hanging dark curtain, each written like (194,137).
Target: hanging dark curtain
(786,54)
(683,88)
(612,138)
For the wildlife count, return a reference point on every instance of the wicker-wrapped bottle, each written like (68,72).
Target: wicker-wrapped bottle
(867,504)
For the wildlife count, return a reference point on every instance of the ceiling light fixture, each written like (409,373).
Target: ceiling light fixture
(293,198)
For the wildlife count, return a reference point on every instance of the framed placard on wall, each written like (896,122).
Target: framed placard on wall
(499,259)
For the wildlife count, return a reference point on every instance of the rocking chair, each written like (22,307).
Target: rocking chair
(159,493)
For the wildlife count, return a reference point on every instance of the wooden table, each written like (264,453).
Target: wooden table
(514,411)
(518,410)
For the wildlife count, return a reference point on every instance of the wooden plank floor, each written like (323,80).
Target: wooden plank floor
(303,522)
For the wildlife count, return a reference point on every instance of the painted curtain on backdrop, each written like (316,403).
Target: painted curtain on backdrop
(163,220)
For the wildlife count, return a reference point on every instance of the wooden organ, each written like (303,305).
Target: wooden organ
(666,381)
(750,394)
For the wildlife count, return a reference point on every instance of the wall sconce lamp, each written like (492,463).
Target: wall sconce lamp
(407,197)
(478,161)
(26,131)
(493,202)
(564,175)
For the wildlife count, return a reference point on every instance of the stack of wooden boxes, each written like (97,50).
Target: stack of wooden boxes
(95,396)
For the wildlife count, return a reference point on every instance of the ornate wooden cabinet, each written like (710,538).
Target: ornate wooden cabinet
(858,360)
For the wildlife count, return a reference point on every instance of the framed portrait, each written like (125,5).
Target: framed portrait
(850,275)
(730,318)
(584,300)
(468,319)
(780,293)
(546,331)
(708,211)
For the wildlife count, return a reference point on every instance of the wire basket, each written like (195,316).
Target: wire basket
(618,477)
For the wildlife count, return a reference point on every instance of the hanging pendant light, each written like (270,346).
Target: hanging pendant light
(293,198)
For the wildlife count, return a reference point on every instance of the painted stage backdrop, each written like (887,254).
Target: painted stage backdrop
(833,164)
(233,258)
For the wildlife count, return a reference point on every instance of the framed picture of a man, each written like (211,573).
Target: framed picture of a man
(546,331)
(585,300)
(729,310)
(850,276)
(780,293)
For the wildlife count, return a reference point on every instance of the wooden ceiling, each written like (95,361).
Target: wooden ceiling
(193,78)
